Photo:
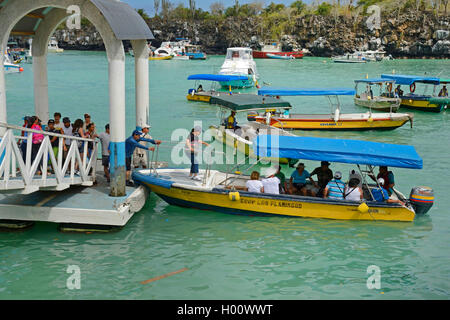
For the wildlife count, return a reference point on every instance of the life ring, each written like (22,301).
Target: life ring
(389,87)
(412,87)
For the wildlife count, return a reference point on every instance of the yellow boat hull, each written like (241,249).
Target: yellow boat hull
(279,205)
(423,105)
(198,97)
(363,124)
(160,58)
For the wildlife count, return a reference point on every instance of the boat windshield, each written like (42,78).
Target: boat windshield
(241,54)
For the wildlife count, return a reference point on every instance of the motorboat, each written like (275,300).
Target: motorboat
(384,98)
(239,61)
(425,101)
(335,120)
(53,46)
(9,66)
(356,57)
(279,56)
(194,52)
(272,49)
(198,93)
(224,191)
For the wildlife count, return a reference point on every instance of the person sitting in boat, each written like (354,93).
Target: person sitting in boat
(286,113)
(271,184)
(254,184)
(231,122)
(200,88)
(283,185)
(352,191)
(355,174)
(443,92)
(398,92)
(297,182)
(388,177)
(324,175)
(335,188)
(381,195)
(132,143)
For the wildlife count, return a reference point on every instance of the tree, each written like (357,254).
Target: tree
(299,6)
(143,14)
(217,8)
(156,6)
(324,9)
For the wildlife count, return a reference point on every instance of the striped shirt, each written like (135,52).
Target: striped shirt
(336,189)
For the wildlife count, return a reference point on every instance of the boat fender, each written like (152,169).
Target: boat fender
(234,196)
(412,87)
(363,208)
(336,115)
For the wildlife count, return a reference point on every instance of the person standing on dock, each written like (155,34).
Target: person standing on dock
(130,145)
(67,129)
(57,118)
(140,159)
(105,139)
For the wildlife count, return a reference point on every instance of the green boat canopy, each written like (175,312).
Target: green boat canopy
(244,102)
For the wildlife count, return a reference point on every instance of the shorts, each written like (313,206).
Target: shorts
(105,161)
(140,160)
(128,163)
(299,186)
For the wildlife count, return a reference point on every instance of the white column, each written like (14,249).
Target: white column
(3,114)
(117,124)
(40,87)
(141,53)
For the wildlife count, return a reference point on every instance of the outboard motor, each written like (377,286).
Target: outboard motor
(422,199)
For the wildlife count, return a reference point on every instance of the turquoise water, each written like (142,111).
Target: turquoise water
(226,256)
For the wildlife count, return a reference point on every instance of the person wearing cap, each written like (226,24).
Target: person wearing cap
(131,144)
(271,184)
(388,177)
(335,188)
(381,195)
(140,159)
(53,139)
(192,148)
(105,139)
(324,175)
(297,182)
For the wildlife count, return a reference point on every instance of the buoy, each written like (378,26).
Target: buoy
(20,69)
(363,208)
(234,196)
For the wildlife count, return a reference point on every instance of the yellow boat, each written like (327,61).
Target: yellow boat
(383,100)
(200,94)
(334,121)
(161,58)
(424,101)
(216,190)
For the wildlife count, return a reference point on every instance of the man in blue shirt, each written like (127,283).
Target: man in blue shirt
(132,143)
(335,188)
(382,195)
(297,183)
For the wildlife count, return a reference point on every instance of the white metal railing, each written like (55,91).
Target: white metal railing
(19,171)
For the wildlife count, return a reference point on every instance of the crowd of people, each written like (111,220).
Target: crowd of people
(327,186)
(134,145)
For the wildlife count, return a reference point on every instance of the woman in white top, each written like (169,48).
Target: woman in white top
(353,191)
(254,185)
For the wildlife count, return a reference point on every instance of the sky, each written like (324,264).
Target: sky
(147,5)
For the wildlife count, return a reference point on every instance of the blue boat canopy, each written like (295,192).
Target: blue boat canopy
(216,77)
(338,150)
(271,91)
(409,80)
(375,80)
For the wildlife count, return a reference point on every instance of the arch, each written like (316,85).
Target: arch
(115,21)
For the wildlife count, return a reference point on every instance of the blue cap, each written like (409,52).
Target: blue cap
(138,128)
(135,132)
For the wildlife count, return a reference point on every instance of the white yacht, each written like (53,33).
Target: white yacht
(239,61)
(53,46)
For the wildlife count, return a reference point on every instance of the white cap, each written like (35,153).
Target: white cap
(270,171)
(338,175)
(380,181)
(146,126)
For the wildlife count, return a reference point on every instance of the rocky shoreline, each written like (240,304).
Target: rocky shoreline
(406,35)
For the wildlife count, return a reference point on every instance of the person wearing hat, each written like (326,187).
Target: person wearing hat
(131,144)
(271,184)
(192,148)
(381,195)
(335,188)
(297,182)
(140,159)
(324,175)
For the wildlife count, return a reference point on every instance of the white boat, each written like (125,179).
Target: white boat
(174,49)
(11,67)
(53,46)
(376,55)
(239,62)
(357,57)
